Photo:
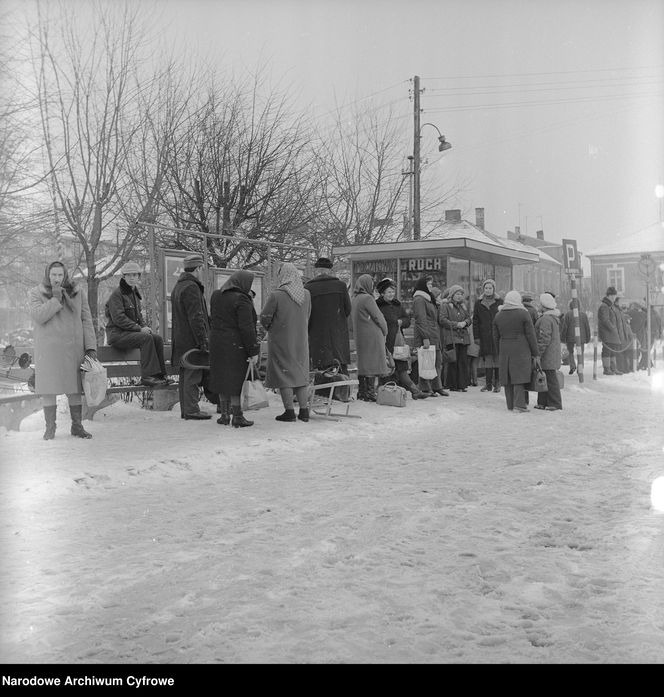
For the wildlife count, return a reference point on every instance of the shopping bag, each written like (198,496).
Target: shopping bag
(254,395)
(95,381)
(426,362)
(538,380)
(391,394)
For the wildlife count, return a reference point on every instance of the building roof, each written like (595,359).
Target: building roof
(514,244)
(650,239)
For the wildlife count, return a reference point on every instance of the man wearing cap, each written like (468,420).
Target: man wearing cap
(126,328)
(607,331)
(190,330)
(328,322)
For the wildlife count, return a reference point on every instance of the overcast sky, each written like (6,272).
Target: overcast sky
(555,109)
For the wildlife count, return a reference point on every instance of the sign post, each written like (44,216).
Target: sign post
(571,265)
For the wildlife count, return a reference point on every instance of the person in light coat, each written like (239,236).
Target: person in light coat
(63,336)
(548,343)
(369,330)
(514,335)
(285,316)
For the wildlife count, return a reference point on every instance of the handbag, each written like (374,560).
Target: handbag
(426,362)
(401,350)
(95,381)
(450,355)
(391,395)
(254,395)
(473,350)
(538,380)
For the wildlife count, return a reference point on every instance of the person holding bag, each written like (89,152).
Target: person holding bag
(369,331)
(455,320)
(427,332)
(233,344)
(484,312)
(397,319)
(285,316)
(63,336)
(548,342)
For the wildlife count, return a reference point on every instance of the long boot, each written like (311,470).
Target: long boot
(225,411)
(488,374)
(606,364)
(496,380)
(238,419)
(362,388)
(370,389)
(76,411)
(49,416)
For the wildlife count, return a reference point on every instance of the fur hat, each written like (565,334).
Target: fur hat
(323,263)
(547,301)
(513,298)
(611,291)
(191,261)
(455,289)
(526,297)
(383,285)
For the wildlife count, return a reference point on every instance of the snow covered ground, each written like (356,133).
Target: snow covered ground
(448,531)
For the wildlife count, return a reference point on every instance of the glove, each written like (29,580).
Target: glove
(146,330)
(426,343)
(57,292)
(253,360)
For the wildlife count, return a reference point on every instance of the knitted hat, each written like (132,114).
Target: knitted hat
(513,298)
(547,301)
(191,261)
(454,289)
(323,263)
(383,285)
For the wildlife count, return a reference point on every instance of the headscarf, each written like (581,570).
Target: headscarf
(547,301)
(239,280)
(364,284)
(69,288)
(288,279)
(512,301)
(455,289)
(421,285)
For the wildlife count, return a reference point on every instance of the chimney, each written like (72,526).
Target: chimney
(479,218)
(540,234)
(453,216)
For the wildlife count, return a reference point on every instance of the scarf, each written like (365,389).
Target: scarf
(364,284)
(288,279)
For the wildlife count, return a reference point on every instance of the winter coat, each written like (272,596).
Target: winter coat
(483,313)
(393,311)
(369,330)
(514,334)
(548,340)
(450,313)
(425,318)
(622,325)
(191,324)
(607,330)
(232,339)
(287,340)
(123,312)
(567,327)
(532,310)
(328,323)
(63,332)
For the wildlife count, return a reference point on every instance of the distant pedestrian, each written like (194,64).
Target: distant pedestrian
(514,334)
(455,320)
(547,331)
(369,330)
(607,331)
(484,312)
(527,300)
(285,316)
(568,337)
(328,322)
(233,344)
(624,357)
(427,331)
(63,336)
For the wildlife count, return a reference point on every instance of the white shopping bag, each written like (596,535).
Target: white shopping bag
(426,362)
(95,381)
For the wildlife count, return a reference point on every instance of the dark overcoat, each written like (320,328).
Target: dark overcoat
(191,324)
(514,335)
(328,322)
(548,340)
(123,312)
(393,311)
(483,314)
(232,339)
(567,327)
(607,331)
(425,320)
(287,339)
(449,314)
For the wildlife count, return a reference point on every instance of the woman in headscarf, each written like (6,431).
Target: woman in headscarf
(514,335)
(285,316)
(548,341)
(427,331)
(455,319)
(484,312)
(233,344)
(369,331)
(63,336)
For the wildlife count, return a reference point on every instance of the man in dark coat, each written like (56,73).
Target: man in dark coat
(191,329)
(126,328)
(328,322)
(568,337)
(607,331)
(527,300)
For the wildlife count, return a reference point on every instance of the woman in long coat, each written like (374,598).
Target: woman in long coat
(233,344)
(547,331)
(369,330)
(455,320)
(63,335)
(514,335)
(426,331)
(285,316)
(484,312)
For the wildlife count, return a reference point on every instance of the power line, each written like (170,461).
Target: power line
(553,72)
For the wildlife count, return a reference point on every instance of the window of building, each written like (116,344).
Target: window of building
(616,277)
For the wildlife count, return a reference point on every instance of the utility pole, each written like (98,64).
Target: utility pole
(416,158)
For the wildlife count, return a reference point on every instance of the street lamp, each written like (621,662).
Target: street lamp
(442,146)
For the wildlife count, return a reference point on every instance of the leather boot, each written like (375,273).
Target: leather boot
(238,420)
(417,393)
(224,410)
(614,366)
(288,415)
(303,415)
(362,388)
(606,364)
(49,416)
(77,429)
(370,389)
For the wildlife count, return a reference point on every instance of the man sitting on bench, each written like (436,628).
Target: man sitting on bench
(126,328)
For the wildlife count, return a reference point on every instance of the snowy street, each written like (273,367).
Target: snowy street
(448,531)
